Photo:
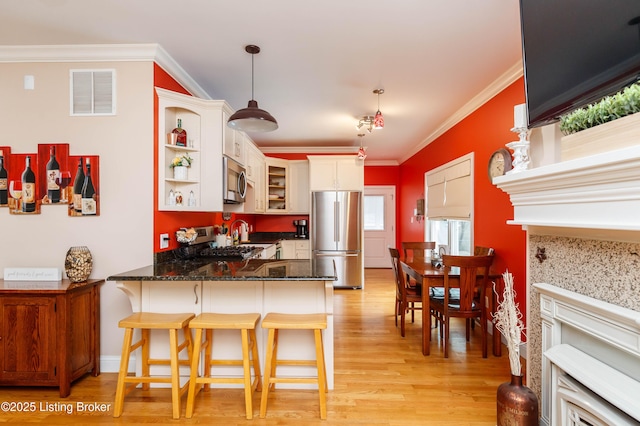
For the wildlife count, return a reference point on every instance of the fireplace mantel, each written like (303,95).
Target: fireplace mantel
(598,192)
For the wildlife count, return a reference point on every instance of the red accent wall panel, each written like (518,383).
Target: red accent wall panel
(482,132)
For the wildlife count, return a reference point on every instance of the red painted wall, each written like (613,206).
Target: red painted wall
(170,222)
(482,132)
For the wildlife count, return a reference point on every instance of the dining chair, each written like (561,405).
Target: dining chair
(474,277)
(416,250)
(483,251)
(406,295)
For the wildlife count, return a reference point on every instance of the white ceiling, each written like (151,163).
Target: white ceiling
(320,60)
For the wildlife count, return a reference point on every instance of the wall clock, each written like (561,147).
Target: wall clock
(499,163)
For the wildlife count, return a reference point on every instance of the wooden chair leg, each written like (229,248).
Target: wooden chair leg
(175,374)
(122,373)
(146,335)
(322,375)
(269,368)
(207,357)
(446,337)
(193,388)
(256,362)
(246,369)
(402,318)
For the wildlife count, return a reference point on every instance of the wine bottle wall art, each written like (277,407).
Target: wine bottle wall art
(47,178)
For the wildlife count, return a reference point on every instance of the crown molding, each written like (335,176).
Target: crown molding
(103,53)
(309,149)
(501,83)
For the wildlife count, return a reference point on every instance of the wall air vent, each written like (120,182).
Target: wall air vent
(93,92)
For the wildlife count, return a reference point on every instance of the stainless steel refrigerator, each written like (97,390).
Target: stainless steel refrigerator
(336,234)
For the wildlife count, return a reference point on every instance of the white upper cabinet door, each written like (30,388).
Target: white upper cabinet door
(235,142)
(336,172)
(299,187)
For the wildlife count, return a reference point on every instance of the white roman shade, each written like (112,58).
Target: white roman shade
(450,190)
(92,92)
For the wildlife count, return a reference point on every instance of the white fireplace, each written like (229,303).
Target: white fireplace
(591,360)
(583,292)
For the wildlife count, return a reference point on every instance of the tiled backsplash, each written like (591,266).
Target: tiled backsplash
(604,270)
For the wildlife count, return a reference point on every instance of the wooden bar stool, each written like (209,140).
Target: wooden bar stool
(147,321)
(275,322)
(246,323)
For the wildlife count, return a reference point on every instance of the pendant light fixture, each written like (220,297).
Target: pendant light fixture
(362,154)
(252,118)
(378,120)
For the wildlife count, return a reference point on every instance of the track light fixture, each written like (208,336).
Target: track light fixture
(252,118)
(372,122)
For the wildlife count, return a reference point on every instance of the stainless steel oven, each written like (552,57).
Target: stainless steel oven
(234,181)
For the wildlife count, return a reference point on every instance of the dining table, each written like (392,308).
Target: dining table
(423,271)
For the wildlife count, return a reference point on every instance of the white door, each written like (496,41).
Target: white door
(379,225)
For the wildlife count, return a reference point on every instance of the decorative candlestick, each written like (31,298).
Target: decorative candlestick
(520,147)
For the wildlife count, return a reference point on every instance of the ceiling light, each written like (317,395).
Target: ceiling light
(252,118)
(378,121)
(362,154)
(367,122)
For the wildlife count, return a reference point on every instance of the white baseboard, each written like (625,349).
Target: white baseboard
(111,364)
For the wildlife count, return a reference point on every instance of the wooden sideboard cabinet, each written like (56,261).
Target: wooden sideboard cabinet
(49,332)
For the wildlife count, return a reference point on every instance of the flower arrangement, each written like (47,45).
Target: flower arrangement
(508,320)
(623,103)
(181,160)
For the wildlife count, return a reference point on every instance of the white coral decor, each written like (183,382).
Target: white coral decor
(508,320)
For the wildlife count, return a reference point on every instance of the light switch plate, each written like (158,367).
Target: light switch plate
(164,241)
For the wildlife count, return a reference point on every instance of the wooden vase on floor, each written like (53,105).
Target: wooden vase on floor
(517,404)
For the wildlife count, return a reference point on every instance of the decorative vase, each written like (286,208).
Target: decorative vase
(78,264)
(180,173)
(617,134)
(517,404)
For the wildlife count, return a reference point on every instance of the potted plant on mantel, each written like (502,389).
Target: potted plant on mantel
(609,124)
(516,403)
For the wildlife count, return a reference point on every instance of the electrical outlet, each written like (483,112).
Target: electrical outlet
(164,241)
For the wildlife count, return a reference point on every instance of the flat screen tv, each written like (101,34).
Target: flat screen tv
(576,52)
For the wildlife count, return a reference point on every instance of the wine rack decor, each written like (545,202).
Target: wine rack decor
(50,177)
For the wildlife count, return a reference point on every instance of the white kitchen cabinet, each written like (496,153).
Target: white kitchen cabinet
(295,249)
(299,195)
(303,249)
(255,201)
(205,124)
(287,296)
(235,142)
(277,185)
(288,248)
(167,297)
(336,172)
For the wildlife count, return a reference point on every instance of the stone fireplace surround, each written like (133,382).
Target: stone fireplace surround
(585,214)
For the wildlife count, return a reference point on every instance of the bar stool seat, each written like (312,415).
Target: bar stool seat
(275,322)
(146,321)
(246,323)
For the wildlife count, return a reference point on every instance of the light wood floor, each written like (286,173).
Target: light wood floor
(381,379)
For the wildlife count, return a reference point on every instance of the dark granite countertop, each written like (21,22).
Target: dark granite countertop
(212,270)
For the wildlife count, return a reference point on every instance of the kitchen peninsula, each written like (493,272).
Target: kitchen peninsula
(255,285)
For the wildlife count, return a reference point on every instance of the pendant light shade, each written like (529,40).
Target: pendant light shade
(252,118)
(378,120)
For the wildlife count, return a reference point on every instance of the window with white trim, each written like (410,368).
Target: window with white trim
(449,206)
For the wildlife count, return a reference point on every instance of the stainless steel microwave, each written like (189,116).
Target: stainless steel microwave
(234,181)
